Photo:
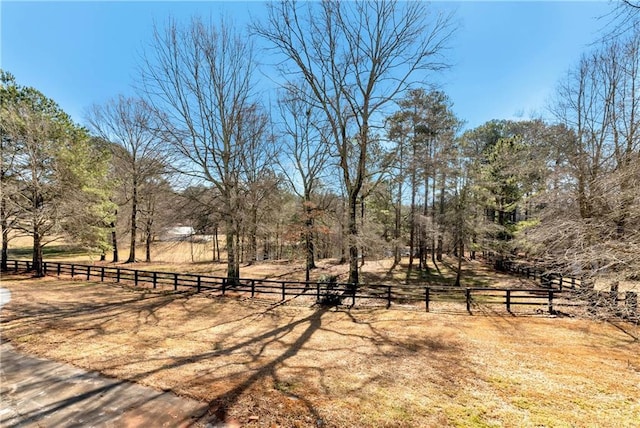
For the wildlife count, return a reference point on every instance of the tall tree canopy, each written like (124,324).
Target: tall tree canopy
(355,58)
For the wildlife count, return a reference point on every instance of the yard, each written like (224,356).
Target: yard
(264,364)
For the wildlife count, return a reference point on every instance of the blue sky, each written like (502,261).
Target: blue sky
(507,56)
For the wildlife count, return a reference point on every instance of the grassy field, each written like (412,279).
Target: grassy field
(186,257)
(292,366)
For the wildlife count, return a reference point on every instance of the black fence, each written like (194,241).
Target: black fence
(546,278)
(544,299)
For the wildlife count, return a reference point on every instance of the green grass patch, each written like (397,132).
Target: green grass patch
(50,251)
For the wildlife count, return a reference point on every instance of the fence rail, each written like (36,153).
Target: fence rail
(546,278)
(548,298)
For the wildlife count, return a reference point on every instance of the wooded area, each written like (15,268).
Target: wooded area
(358,158)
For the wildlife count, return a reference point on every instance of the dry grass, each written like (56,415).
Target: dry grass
(293,366)
(196,257)
(187,257)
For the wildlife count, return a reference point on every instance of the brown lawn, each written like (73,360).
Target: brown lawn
(187,257)
(283,365)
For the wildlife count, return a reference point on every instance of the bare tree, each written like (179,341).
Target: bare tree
(128,123)
(596,233)
(623,18)
(257,177)
(198,78)
(304,160)
(157,210)
(355,58)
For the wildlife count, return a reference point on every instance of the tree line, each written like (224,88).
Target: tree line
(358,157)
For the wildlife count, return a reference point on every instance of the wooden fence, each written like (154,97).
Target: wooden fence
(545,278)
(547,299)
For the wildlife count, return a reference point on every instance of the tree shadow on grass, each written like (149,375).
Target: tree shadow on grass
(278,347)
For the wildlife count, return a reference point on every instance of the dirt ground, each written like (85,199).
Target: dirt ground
(265,364)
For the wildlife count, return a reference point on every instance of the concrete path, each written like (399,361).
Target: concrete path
(5,297)
(41,393)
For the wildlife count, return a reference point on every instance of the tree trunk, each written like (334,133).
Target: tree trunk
(149,239)
(362,249)
(398,212)
(353,235)
(412,229)
(232,269)
(114,241)
(343,234)
(441,209)
(396,231)
(134,230)
(5,250)
(423,232)
(253,240)
(277,243)
(459,272)
(434,224)
(310,253)
(37,252)
(265,246)
(5,236)
(241,238)
(474,242)
(238,253)
(216,245)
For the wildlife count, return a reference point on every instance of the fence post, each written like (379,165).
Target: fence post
(550,301)
(155,279)
(468,298)
(317,291)
(73,268)
(388,296)
(253,288)
(135,278)
(15,266)
(175,282)
(573,282)
(44,267)
(88,272)
(28,265)
(102,274)
(560,283)
(283,290)
(426,298)
(509,301)
(198,283)
(58,269)
(224,285)
(117,274)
